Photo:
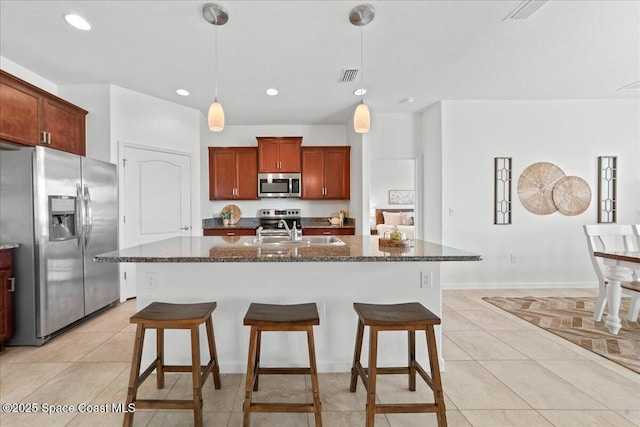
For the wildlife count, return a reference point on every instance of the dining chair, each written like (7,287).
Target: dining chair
(613,238)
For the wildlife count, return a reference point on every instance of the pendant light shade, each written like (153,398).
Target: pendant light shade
(361,118)
(216,117)
(215,15)
(361,16)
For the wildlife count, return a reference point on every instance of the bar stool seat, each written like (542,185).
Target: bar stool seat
(276,317)
(161,316)
(410,317)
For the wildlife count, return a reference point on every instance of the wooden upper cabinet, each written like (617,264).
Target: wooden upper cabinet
(31,116)
(279,154)
(233,173)
(326,173)
(19,112)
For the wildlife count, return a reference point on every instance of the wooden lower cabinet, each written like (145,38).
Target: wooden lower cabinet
(7,285)
(329,231)
(229,232)
(32,116)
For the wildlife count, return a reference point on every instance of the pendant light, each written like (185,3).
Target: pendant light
(361,16)
(215,15)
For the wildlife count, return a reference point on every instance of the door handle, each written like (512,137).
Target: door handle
(48,138)
(186,227)
(44,137)
(12,284)
(79,214)
(88,215)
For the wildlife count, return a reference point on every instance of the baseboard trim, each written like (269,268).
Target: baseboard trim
(519,285)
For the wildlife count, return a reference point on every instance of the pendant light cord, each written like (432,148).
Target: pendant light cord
(216,57)
(361,63)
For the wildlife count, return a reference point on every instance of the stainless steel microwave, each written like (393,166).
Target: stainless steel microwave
(279,185)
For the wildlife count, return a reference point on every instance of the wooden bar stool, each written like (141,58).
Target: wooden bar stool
(161,316)
(269,317)
(409,317)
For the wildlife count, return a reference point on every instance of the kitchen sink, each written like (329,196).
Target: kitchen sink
(304,241)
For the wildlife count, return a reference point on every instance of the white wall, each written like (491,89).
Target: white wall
(549,250)
(27,75)
(245,136)
(432,173)
(96,99)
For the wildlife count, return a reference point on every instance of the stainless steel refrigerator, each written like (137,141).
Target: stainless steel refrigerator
(62,209)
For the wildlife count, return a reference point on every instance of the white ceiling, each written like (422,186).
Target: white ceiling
(428,50)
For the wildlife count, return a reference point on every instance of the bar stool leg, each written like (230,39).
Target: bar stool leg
(256,366)
(412,360)
(371,389)
(356,357)
(314,377)
(160,356)
(132,392)
(196,374)
(246,407)
(213,354)
(438,394)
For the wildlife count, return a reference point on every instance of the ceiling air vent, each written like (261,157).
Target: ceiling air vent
(526,9)
(349,75)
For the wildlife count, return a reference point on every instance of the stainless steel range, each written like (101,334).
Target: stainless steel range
(273,221)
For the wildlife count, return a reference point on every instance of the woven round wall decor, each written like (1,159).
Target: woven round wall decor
(535,187)
(572,195)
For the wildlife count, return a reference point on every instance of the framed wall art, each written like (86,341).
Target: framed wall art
(401,197)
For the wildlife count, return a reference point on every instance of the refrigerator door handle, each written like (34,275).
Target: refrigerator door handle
(88,215)
(79,214)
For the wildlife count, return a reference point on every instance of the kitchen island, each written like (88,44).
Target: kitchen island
(235,272)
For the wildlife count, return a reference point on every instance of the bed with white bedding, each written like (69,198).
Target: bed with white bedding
(403,219)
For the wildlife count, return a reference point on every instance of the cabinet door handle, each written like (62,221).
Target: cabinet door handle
(48,138)
(230,233)
(44,137)
(326,232)
(12,284)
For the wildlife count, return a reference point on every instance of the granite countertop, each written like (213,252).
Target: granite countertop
(8,245)
(305,222)
(235,249)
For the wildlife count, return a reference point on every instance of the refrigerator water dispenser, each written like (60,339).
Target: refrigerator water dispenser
(62,218)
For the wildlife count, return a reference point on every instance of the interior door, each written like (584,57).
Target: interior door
(157,200)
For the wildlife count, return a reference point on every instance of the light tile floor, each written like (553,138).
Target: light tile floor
(500,371)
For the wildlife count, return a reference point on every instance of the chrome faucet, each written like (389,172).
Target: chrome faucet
(294,233)
(259,234)
(286,227)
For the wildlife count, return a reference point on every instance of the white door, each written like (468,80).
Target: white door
(157,200)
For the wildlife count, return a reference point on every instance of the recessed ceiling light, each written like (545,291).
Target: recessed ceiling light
(272,91)
(77,21)
(182,92)
(359,92)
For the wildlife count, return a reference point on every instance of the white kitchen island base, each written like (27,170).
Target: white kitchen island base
(333,286)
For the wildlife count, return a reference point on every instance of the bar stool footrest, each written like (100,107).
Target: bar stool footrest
(399,408)
(163,404)
(284,371)
(282,407)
